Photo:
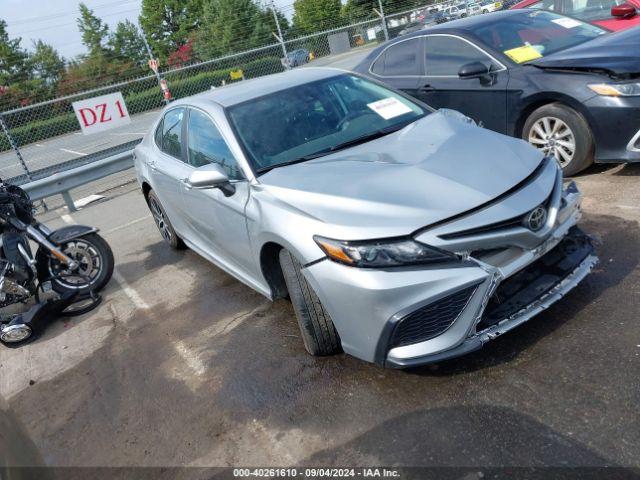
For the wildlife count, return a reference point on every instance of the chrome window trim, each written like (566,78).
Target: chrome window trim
(424,37)
(631,147)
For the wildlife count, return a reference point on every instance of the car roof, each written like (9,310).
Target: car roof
(469,23)
(243,91)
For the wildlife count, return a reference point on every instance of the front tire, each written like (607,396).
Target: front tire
(561,132)
(318,332)
(16,336)
(96,265)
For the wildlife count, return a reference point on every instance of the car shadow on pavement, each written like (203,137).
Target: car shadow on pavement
(478,435)
(629,170)
(618,247)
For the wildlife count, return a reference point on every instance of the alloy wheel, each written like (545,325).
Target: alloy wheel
(158,217)
(554,138)
(89,261)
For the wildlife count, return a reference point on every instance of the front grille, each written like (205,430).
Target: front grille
(538,278)
(431,320)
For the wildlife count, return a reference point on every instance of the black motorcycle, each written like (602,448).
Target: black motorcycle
(71,265)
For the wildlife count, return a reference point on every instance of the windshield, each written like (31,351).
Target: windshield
(535,34)
(317,118)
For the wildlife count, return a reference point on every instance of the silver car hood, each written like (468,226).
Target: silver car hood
(429,171)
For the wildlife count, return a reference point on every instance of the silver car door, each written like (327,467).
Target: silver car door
(168,166)
(217,222)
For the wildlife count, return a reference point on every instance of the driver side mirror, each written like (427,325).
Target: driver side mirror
(623,11)
(211,176)
(473,70)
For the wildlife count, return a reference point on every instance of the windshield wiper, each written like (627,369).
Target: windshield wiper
(350,143)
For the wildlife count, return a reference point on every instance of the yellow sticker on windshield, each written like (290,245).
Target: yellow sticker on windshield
(523,54)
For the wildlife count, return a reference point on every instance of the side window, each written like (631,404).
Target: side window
(206,145)
(172,132)
(445,56)
(401,59)
(158,135)
(589,10)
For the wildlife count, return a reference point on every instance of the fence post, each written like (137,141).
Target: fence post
(156,70)
(14,145)
(384,22)
(279,37)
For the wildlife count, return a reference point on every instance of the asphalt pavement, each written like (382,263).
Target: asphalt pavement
(182,365)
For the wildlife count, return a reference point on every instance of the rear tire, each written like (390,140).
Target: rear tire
(318,332)
(572,136)
(163,223)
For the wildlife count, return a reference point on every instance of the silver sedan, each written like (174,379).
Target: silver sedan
(401,235)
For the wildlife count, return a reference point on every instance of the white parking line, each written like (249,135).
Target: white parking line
(67,219)
(73,151)
(128,224)
(128,133)
(191,358)
(130,292)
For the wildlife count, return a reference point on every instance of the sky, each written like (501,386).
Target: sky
(54,21)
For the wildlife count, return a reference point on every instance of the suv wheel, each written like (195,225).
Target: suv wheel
(318,332)
(163,223)
(561,132)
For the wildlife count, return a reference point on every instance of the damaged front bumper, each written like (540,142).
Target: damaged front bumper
(416,315)
(540,285)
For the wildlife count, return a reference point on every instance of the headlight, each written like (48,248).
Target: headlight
(617,89)
(382,253)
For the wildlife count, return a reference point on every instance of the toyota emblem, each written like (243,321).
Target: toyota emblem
(536,219)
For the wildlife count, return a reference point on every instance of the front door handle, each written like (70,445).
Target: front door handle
(152,164)
(426,89)
(186,184)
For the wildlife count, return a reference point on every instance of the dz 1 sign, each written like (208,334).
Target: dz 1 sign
(101,113)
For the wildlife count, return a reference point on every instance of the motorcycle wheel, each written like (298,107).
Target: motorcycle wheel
(15,335)
(93,254)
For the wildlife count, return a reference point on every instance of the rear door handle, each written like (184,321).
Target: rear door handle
(186,184)
(152,164)
(426,89)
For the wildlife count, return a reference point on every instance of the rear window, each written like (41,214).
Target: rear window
(536,34)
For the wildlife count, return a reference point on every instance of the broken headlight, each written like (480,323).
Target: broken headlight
(382,253)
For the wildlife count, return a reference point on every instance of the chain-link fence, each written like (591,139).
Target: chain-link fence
(48,134)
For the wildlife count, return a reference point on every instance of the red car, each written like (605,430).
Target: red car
(610,14)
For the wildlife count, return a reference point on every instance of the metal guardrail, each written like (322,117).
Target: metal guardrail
(61,182)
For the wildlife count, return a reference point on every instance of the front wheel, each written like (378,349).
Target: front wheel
(561,132)
(318,332)
(95,265)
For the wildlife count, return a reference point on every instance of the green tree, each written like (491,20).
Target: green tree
(168,24)
(46,64)
(230,26)
(127,44)
(17,85)
(316,15)
(13,59)
(95,33)
(355,10)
